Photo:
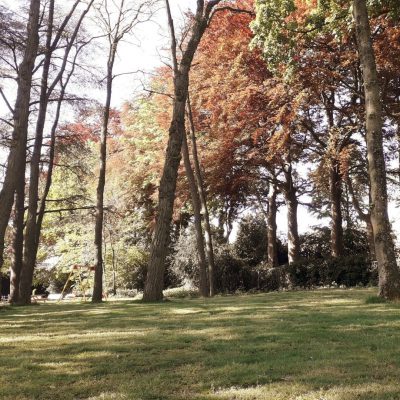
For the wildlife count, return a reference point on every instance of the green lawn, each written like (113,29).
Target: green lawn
(325,345)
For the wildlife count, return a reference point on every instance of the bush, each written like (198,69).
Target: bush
(317,244)
(181,292)
(232,274)
(251,241)
(131,269)
(344,271)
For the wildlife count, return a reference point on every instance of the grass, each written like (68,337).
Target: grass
(325,345)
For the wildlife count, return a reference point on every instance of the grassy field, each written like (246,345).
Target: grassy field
(325,345)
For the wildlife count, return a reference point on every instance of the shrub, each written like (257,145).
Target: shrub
(347,271)
(231,272)
(251,241)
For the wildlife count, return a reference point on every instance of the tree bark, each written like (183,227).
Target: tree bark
(18,239)
(364,216)
(17,156)
(371,240)
(389,274)
(97,295)
(30,250)
(204,288)
(204,206)
(292,205)
(271,221)
(335,188)
(159,248)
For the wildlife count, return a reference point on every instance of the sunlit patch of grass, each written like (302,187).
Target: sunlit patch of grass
(325,344)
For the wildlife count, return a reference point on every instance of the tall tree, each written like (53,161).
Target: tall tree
(181,67)
(17,155)
(196,204)
(127,16)
(47,87)
(389,273)
(203,201)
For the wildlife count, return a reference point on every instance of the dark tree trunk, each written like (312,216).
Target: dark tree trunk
(204,288)
(98,231)
(204,206)
(17,156)
(292,205)
(335,187)
(18,239)
(159,248)
(371,240)
(31,246)
(389,274)
(366,217)
(272,237)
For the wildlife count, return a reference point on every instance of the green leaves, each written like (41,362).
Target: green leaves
(281,25)
(271,28)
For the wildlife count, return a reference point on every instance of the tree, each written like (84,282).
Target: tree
(47,87)
(196,204)
(127,16)
(278,35)
(17,156)
(181,67)
(389,274)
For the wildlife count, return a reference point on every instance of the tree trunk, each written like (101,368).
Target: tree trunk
(204,288)
(272,237)
(204,206)
(335,187)
(159,247)
(389,274)
(17,156)
(98,231)
(292,205)
(18,240)
(366,217)
(31,245)
(371,240)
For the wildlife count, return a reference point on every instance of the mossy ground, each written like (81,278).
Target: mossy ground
(325,344)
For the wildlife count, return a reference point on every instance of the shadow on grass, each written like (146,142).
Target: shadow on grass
(298,345)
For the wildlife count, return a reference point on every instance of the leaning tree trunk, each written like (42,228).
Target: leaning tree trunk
(271,228)
(292,205)
(159,247)
(335,188)
(204,288)
(17,156)
(204,206)
(389,274)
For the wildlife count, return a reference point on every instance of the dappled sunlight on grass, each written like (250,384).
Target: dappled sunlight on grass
(108,396)
(290,345)
(300,392)
(185,311)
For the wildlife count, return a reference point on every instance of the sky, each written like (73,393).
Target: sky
(146,50)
